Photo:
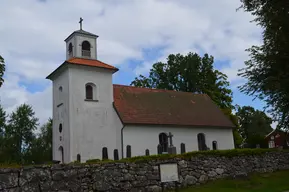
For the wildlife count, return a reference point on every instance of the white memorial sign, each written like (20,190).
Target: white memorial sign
(169,172)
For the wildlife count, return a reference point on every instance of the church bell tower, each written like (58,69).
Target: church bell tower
(81,44)
(83,114)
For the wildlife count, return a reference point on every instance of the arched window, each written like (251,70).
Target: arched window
(90,91)
(70,49)
(202,142)
(60,128)
(214,145)
(60,89)
(163,141)
(85,48)
(61,153)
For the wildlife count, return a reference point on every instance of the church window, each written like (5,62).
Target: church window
(85,48)
(60,89)
(214,143)
(70,50)
(202,142)
(163,141)
(90,91)
(60,128)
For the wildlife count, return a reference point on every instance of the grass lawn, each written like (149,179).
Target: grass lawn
(265,182)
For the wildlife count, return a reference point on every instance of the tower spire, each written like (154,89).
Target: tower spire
(80,22)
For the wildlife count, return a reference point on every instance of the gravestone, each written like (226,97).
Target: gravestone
(171,148)
(128,151)
(115,154)
(159,147)
(183,148)
(147,152)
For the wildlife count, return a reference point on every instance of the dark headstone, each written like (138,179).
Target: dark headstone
(115,154)
(147,152)
(128,151)
(159,149)
(78,158)
(104,153)
(172,150)
(183,148)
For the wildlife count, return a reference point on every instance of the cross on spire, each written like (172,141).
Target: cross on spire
(80,22)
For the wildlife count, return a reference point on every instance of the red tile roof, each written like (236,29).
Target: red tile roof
(90,62)
(84,62)
(136,105)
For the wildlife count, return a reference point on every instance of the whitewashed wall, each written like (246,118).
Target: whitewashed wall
(61,116)
(147,137)
(93,125)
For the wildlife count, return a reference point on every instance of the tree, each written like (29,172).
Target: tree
(41,147)
(267,70)
(3,117)
(189,73)
(192,73)
(19,131)
(2,70)
(254,125)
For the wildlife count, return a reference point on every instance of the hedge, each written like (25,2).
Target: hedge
(224,153)
(140,159)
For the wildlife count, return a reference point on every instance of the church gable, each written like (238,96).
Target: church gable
(164,107)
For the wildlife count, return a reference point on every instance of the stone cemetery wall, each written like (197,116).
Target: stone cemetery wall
(136,176)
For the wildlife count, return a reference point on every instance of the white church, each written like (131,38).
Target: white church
(91,114)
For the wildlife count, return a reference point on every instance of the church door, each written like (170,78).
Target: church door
(202,142)
(60,150)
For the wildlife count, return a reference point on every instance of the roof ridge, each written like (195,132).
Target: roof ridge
(167,90)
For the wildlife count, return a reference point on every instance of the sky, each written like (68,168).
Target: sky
(133,34)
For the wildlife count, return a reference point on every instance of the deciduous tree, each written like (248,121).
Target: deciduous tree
(40,150)
(20,131)
(2,70)
(267,70)
(189,73)
(254,125)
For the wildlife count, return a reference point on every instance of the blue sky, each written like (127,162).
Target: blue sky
(133,35)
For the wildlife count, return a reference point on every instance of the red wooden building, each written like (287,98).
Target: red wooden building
(277,139)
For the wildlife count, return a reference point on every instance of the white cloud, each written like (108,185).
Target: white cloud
(32,35)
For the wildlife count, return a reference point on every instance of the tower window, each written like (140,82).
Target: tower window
(60,128)
(90,91)
(70,49)
(85,49)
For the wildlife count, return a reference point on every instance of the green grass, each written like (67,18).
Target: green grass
(265,182)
